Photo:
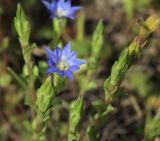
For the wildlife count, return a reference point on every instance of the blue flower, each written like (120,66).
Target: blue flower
(63,61)
(61,9)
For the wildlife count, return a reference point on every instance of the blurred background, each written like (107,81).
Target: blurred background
(137,107)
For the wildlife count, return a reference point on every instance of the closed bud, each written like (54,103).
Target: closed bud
(76,113)
(45,96)
(120,68)
(149,25)
(22,26)
(97,43)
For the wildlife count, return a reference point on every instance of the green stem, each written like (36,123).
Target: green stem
(17,78)
(58,28)
(119,70)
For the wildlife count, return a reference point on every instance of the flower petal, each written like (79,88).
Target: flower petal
(74,68)
(68,4)
(51,55)
(72,11)
(69,74)
(77,62)
(51,69)
(50,62)
(61,73)
(54,4)
(50,6)
(58,53)
(66,50)
(47,4)
(61,2)
(72,55)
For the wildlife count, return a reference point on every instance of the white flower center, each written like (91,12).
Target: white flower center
(63,64)
(61,12)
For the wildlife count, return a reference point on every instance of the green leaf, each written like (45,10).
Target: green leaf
(152,128)
(22,26)
(110,108)
(97,43)
(98,105)
(20,80)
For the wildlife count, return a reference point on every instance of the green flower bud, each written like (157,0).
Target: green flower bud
(22,26)
(135,50)
(45,96)
(76,113)
(149,25)
(35,71)
(152,127)
(120,68)
(97,43)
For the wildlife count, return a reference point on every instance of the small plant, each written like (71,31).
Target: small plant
(44,81)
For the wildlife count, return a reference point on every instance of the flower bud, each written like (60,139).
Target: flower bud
(149,25)
(45,96)
(76,112)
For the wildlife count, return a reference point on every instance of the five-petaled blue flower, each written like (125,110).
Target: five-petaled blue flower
(63,61)
(61,9)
